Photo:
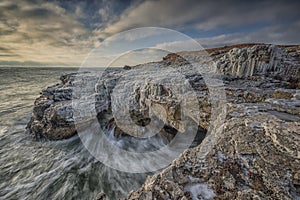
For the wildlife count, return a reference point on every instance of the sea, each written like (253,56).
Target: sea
(31,169)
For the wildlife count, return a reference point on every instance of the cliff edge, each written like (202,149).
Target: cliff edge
(256,156)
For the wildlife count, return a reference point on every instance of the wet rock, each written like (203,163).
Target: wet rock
(101,196)
(56,122)
(127,67)
(52,116)
(297,95)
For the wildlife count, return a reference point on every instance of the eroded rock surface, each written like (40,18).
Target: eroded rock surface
(257,155)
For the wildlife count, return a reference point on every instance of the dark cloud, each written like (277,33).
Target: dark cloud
(70,27)
(275,34)
(38,13)
(41,31)
(205,15)
(9,7)
(9,55)
(5,52)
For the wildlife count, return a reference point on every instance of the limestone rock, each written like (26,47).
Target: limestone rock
(250,74)
(257,155)
(101,196)
(267,60)
(127,67)
(283,94)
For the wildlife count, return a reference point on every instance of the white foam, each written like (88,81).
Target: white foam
(3,130)
(200,191)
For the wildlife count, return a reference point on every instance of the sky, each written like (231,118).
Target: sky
(64,32)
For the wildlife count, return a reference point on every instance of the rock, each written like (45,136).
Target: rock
(101,196)
(265,60)
(175,59)
(257,154)
(126,67)
(283,94)
(256,67)
(52,112)
(297,95)
(56,122)
(256,157)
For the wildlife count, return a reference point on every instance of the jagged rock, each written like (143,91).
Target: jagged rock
(260,65)
(52,112)
(283,94)
(56,121)
(297,95)
(257,155)
(101,196)
(127,67)
(259,60)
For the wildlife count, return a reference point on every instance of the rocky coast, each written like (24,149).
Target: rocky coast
(256,154)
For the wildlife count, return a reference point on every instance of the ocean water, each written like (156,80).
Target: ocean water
(32,169)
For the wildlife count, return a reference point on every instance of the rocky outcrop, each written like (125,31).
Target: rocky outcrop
(260,60)
(52,116)
(263,68)
(257,155)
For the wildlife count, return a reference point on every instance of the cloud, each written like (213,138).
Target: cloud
(43,32)
(131,58)
(203,15)
(277,34)
(65,31)
(280,34)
